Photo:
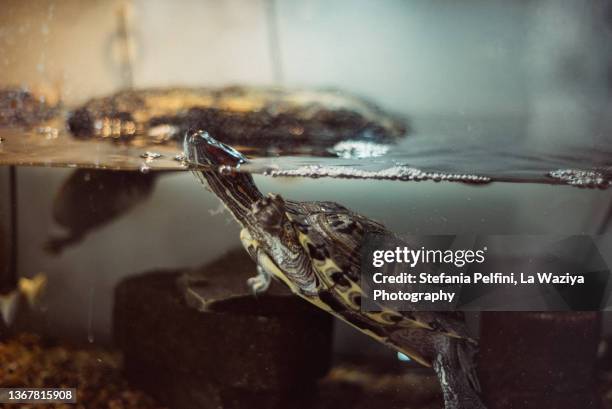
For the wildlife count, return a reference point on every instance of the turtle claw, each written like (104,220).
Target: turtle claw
(260,283)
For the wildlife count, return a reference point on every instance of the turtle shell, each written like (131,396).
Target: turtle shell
(333,236)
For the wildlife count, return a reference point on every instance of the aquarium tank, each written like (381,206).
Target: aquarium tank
(306,204)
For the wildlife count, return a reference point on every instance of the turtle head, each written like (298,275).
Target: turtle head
(202,149)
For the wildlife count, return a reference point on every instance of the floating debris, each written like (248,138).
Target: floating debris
(404,173)
(144,168)
(149,156)
(359,149)
(29,290)
(49,132)
(33,288)
(584,178)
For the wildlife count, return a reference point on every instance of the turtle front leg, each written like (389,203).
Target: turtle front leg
(260,283)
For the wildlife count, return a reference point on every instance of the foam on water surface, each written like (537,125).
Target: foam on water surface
(393,173)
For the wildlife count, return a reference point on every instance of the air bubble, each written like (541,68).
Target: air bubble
(583,178)
(182,159)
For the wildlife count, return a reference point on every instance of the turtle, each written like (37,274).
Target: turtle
(314,248)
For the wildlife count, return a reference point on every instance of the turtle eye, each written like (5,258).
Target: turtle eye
(290,236)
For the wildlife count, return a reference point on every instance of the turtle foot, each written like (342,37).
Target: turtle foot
(260,283)
(456,372)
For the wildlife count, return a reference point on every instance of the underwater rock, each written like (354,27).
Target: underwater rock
(25,107)
(232,350)
(91,198)
(539,359)
(250,117)
(213,289)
